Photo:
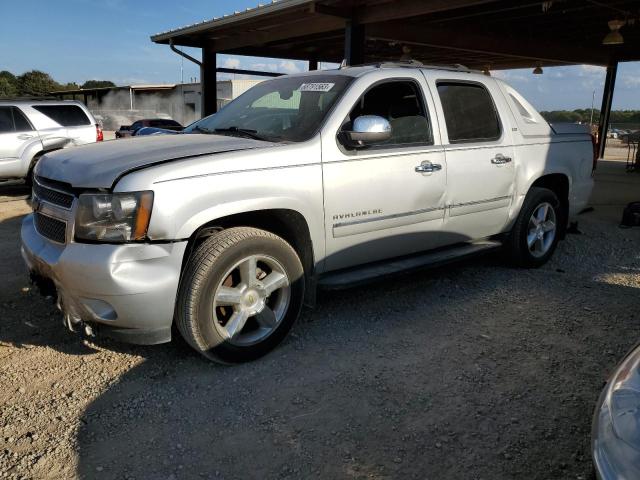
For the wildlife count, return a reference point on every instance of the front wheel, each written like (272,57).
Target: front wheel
(240,294)
(535,234)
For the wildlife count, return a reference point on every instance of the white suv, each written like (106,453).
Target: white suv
(30,128)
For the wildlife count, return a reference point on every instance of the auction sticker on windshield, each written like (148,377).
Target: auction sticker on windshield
(316,87)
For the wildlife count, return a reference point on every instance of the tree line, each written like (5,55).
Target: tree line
(583,115)
(39,84)
(36,83)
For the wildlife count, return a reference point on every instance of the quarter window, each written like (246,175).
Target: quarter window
(65,115)
(469,112)
(400,102)
(21,122)
(6,120)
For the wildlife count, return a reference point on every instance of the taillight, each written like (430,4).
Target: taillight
(594,144)
(99,134)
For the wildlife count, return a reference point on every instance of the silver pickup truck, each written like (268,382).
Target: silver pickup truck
(327,178)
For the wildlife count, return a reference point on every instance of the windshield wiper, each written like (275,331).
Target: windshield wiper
(200,129)
(241,131)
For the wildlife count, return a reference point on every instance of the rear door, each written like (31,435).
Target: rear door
(75,124)
(480,154)
(16,135)
(9,142)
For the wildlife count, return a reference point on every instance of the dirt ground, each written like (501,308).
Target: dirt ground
(474,371)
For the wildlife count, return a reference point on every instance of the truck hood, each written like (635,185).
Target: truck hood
(100,165)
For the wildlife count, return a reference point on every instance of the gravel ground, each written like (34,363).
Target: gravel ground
(474,371)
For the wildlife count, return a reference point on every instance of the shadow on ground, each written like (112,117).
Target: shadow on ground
(471,371)
(468,372)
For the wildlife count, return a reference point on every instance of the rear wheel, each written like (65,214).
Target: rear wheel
(535,234)
(241,292)
(29,178)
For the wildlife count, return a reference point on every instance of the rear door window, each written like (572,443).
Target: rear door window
(6,120)
(20,121)
(469,112)
(65,115)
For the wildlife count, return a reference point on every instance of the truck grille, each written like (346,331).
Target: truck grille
(51,228)
(56,197)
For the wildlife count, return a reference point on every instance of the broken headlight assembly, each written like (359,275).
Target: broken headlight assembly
(113,217)
(616,423)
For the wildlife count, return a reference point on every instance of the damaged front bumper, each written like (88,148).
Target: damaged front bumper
(125,291)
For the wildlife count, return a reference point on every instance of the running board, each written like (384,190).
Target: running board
(372,271)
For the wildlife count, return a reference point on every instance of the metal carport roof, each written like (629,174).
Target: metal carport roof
(476,33)
(480,34)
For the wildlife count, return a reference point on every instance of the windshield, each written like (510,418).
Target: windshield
(286,109)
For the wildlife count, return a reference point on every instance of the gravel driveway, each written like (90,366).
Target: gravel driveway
(474,371)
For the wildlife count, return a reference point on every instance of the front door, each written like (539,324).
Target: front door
(16,134)
(385,200)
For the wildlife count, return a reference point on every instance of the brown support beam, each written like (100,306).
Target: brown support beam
(301,27)
(607,102)
(330,11)
(208,82)
(399,9)
(354,43)
(477,42)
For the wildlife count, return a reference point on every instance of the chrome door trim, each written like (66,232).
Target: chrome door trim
(344,229)
(479,205)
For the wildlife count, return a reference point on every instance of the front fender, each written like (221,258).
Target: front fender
(183,206)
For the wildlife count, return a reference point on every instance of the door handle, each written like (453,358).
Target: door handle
(25,136)
(500,159)
(428,167)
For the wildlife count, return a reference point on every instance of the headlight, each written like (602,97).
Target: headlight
(616,423)
(117,217)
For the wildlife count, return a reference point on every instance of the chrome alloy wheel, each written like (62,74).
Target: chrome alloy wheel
(251,300)
(542,230)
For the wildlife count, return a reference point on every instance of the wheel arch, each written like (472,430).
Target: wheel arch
(288,224)
(559,184)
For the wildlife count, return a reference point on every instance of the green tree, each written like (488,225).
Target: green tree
(36,84)
(69,86)
(98,84)
(8,84)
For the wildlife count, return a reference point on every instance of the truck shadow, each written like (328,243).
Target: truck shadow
(446,372)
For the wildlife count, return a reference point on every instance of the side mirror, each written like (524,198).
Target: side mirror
(367,130)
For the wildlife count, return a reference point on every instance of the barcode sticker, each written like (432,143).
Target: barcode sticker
(316,87)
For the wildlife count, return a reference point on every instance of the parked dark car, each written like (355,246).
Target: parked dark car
(163,123)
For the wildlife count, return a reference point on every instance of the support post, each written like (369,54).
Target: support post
(208,82)
(354,40)
(313,64)
(605,111)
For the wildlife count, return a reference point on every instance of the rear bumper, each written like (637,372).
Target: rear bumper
(124,291)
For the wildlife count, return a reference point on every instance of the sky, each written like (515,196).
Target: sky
(79,40)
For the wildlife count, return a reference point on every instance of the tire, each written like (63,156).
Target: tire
(233,310)
(519,246)
(29,178)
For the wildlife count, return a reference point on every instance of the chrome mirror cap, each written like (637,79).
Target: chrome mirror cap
(367,130)
(371,124)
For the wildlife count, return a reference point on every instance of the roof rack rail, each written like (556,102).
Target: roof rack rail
(416,64)
(27,99)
